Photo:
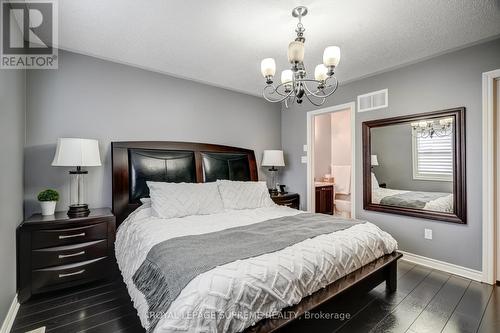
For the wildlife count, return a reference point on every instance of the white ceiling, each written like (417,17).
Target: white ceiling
(221,42)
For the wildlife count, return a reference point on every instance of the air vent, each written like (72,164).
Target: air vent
(373,101)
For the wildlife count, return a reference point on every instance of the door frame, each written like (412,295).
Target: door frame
(310,153)
(489,223)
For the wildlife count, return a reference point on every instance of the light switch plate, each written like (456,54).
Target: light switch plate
(305,148)
(303,159)
(428,233)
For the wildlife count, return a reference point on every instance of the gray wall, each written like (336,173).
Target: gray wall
(393,147)
(12,113)
(446,81)
(92,98)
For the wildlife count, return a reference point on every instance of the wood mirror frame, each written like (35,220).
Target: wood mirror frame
(459,214)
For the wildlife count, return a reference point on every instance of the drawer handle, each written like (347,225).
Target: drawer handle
(62,256)
(71,236)
(71,274)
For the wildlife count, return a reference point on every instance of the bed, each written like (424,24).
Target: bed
(432,201)
(270,286)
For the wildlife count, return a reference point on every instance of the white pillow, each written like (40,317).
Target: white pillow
(244,195)
(170,200)
(374,182)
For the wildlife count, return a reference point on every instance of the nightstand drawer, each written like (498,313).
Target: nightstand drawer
(47,277)
(58,237)
(67,254)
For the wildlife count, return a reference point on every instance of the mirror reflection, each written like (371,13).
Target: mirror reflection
(412,164)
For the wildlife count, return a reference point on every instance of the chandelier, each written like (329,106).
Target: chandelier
(295,86)
(431,128)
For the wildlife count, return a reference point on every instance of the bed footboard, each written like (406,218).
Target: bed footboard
(364,279)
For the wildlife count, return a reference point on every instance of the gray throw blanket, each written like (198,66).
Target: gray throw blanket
(412,199)
(172,264)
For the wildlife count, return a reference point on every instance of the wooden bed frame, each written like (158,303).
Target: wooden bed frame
(363,279)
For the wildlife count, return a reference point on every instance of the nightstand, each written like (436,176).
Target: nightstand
(289,199)
(56,252)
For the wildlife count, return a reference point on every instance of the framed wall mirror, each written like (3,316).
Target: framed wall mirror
(415,165)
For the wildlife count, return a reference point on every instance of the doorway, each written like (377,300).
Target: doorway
(491,177)
(331,160)
(496,174)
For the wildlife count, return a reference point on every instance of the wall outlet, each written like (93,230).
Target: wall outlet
(303,159)
(428,233)
(305,148)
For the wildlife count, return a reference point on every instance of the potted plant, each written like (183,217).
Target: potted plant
(48,199)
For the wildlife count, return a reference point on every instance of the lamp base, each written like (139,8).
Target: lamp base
(78,210)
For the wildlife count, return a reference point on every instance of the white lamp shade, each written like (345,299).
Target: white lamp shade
(268,67)
(286,76)
(77,152)
(374,160)
(273,158)
(296,52)
(331,56)
(320,72)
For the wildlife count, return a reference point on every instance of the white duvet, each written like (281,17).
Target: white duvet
(232,297)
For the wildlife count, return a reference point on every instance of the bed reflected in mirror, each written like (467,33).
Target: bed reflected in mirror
(414,165)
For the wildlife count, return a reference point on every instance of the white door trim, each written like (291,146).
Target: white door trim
(310,152)
(489,255)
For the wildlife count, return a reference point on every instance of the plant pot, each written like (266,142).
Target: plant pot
(48,207)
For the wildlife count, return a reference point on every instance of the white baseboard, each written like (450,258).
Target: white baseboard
(443,266)
(11,315)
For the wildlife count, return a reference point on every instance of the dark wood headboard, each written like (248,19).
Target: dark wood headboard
(134,163)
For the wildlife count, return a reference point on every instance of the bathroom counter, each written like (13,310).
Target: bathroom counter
(320,184)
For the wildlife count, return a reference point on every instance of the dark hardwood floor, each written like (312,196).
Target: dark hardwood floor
(426,301)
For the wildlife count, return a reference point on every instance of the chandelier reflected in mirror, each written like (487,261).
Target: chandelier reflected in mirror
(431,128)
(295,86)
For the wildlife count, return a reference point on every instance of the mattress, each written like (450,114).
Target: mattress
(232,297)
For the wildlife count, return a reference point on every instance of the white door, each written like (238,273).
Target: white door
(497,174)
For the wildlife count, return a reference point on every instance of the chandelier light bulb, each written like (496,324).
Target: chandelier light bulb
(296,52)
(320,72)
(268,67)
(445,122)
(331,56)
(286,76)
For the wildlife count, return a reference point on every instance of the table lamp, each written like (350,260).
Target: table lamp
(72,152)
(374,161)
(273,159)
